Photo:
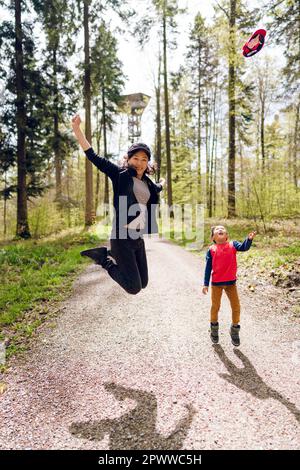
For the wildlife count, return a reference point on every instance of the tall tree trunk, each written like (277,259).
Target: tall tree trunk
(262,133)
(215,184)
(213,156)
(57,156)
(231,100)
(106,192)
(22,213)
(199,186)
(296,148)
(69,178)
(207,150)
(5,206)
(158,119)
(89,210)
(222,170)
(241,192)
(98,140)
(167,116)
(211,177)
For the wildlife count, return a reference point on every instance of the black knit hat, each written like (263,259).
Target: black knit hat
(139,146)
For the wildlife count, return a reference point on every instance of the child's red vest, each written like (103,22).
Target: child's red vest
(224,265)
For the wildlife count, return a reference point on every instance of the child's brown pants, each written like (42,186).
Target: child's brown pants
(232,294)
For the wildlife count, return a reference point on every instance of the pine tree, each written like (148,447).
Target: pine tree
(91,15)
(285,29)
(165,18)
(56,18)
(201,68)
(25,112)
(107,83)
(238,19)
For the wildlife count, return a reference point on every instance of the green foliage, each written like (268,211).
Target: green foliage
(35,93)
(266,186)
(284,28)
(107,78)
(33,273)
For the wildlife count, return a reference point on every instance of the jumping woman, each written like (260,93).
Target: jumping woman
(135,200)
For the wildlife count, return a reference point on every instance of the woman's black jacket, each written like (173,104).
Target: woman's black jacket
(124,197)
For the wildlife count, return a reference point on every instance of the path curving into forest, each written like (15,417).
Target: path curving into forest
(140,372)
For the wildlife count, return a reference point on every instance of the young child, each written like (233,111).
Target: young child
(221,262)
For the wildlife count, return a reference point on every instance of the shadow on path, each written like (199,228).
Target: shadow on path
(137,428)
(247,379)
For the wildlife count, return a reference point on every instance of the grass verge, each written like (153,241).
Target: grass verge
(34,276)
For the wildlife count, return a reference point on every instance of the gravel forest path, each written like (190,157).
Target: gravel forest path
(139,372)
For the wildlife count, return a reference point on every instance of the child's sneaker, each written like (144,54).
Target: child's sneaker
(235,334)
(214,332)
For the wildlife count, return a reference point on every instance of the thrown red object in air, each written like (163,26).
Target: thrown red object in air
(255,43)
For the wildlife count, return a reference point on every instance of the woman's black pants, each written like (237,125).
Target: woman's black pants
(131,270)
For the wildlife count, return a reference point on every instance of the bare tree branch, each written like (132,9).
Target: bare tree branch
(223,9)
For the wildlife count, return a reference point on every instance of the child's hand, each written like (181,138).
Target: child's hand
(204,290)
(252,235)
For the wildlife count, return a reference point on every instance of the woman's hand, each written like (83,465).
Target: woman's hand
(76,121)
(204,290)
(162,181)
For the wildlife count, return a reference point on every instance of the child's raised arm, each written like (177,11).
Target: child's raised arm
(245,246)
(252,235)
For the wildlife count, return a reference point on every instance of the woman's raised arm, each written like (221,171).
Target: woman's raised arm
(103,164)
(84,144)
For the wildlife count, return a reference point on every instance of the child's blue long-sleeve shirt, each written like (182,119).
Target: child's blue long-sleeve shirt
(208,268)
